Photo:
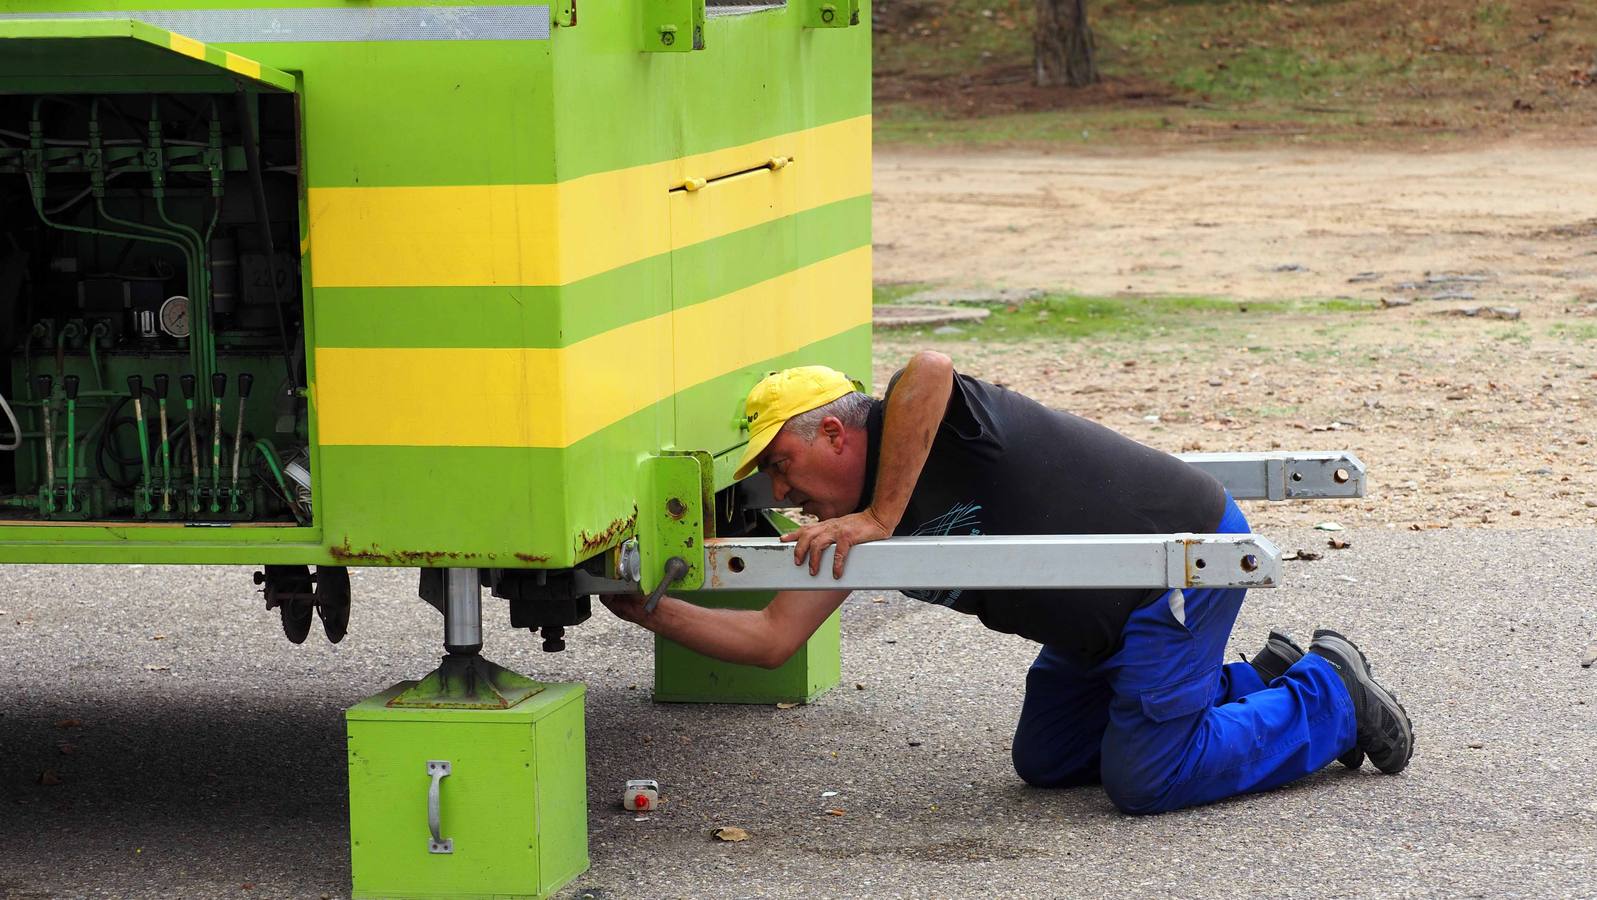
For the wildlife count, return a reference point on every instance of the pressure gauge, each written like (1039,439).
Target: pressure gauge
(175,316)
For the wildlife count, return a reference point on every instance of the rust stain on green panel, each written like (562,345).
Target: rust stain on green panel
(618,529)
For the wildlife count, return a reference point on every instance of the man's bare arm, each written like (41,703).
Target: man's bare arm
(758,637)
(909,426)
(913,414)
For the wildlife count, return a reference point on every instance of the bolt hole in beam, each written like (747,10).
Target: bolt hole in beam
(1297,476)
(675,508)
(1200,563)
(1341,476)
(735,564)
(1250,563)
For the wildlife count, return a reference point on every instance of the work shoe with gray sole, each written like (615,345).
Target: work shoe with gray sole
(1280,652)
(1385,733)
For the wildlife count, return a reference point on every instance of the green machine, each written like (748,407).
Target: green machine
(475,288)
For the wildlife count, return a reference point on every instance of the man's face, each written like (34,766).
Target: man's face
(824,477)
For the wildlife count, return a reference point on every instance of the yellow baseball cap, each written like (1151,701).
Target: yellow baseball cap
(782,395)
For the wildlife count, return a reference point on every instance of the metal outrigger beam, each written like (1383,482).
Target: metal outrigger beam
(1331,475)
(1003,562)
(1000,562)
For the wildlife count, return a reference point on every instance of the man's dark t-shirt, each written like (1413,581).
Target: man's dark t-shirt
(1004,464)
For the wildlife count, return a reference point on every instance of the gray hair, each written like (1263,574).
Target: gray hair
(851,409)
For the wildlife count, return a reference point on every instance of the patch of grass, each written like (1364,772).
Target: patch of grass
(1278,74)
(1493,14)
(1515,334)
(892,293)
(1073,317)
(908,124)
(1277,412)
(1582,332)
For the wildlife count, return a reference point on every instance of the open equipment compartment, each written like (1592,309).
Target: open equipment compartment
(151,299)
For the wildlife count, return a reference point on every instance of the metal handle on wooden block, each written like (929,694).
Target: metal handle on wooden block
(438,769)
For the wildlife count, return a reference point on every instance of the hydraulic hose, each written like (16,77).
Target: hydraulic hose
(269,453)
(16,427)
(252,156)
(199,291)
(99,331)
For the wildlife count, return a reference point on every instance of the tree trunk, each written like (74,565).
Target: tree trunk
(1063,42)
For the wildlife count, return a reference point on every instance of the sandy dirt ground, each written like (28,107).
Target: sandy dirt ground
(1463,421)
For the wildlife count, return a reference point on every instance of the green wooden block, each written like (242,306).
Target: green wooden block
(514,804)
(682,676)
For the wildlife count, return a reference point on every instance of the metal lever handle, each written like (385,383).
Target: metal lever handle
(438,769)
(675,568)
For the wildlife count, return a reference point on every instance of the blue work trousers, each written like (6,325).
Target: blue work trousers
(1164,724)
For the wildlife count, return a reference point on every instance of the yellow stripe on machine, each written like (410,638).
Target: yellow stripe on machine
(554,234)
(186,45)
(249,68)
(546,397)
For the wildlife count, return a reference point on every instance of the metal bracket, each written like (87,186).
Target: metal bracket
(1330,475)
(1004,562)
(831,13)
(676,491)
(673,26)
(438,769)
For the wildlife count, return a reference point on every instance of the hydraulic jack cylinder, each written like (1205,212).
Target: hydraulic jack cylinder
(462,612)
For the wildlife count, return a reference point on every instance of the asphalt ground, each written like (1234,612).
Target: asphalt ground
(210,762)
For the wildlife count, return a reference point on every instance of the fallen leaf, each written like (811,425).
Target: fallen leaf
(1305,555)
(731,834)
(1338,544)
(1328,526)
(786,705)
(49,778)
(836,812)
(67,748)
(157,637)
(69,723)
